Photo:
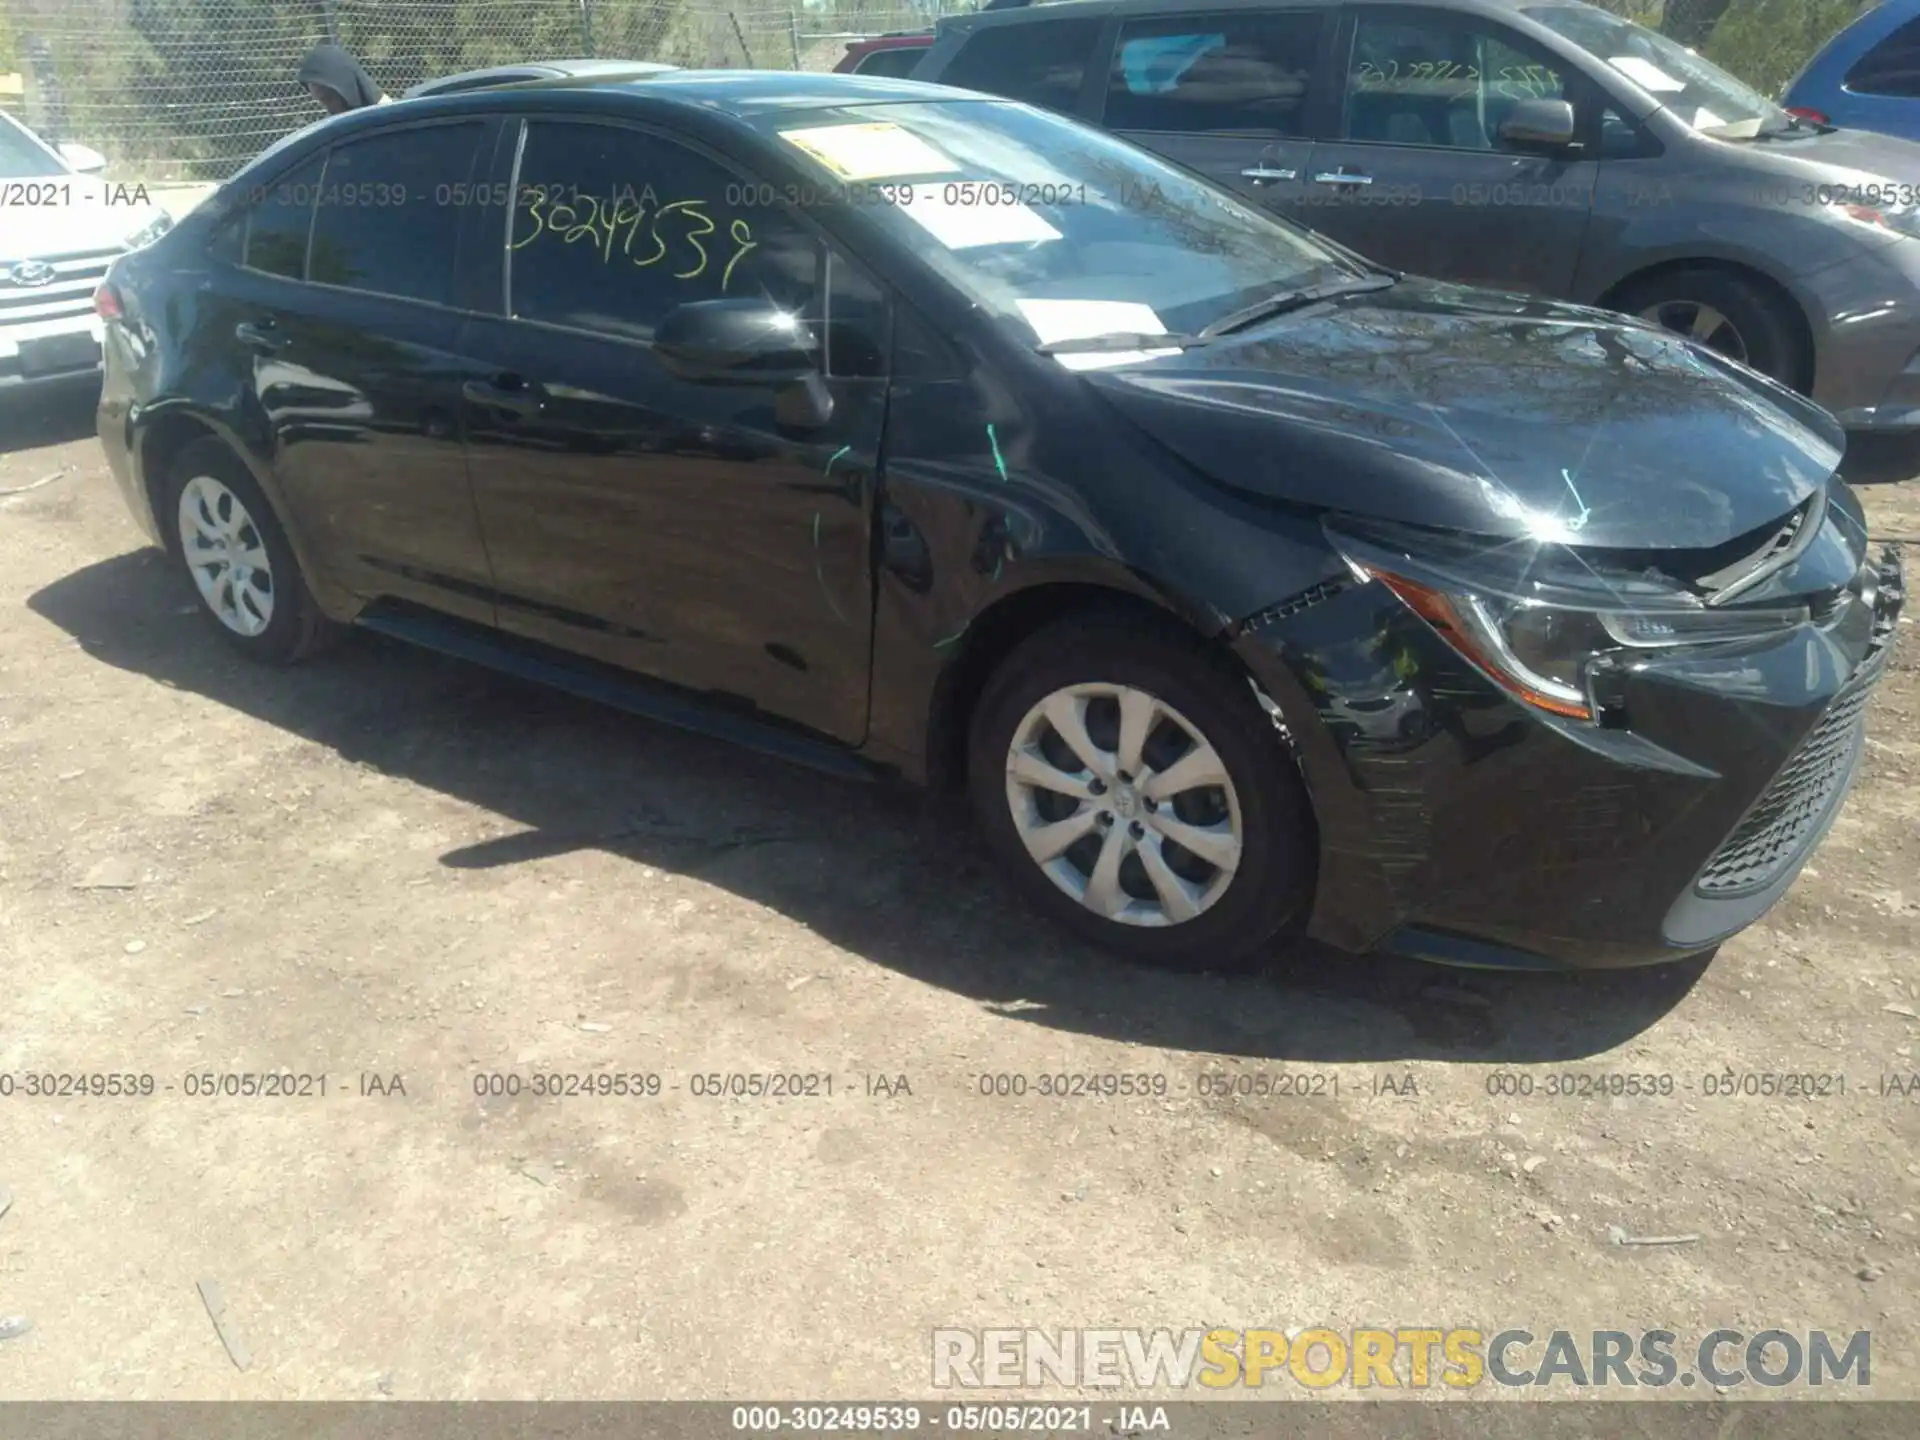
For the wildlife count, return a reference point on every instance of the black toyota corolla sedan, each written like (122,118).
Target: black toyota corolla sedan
(1246,586)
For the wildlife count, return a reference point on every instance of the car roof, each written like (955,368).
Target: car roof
(528,70)
(745,93)
(1009,11)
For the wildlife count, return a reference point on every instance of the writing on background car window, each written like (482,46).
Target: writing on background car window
(1516,82)
(614,225)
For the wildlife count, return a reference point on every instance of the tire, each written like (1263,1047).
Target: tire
(219,526)
(1238,912)
(1737,318)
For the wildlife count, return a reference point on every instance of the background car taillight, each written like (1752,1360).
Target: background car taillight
(1806,112)
(106,302)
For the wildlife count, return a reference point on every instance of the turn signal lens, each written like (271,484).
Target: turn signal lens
(1511,643)
(1807,113)
(106,304)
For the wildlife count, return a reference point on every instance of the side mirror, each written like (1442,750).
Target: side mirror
(83,158)
(1538,124)
(736,342)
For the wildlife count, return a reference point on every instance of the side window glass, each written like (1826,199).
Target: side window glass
(1621,138)
(279,219)
(1447,81)
(896,64)
(1890,68)
(1196,73)
(1041,63)
(381,224)
(612,228)
(856,321)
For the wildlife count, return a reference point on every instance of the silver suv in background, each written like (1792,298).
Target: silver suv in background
(1540,146)
(61,226)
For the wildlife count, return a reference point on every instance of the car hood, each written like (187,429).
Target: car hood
(1496,414)
(96,217)
(1862,156)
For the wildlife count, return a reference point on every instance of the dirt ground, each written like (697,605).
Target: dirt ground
(385,864)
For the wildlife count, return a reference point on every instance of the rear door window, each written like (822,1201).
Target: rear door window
(1890,68)
(1240,71)
(384,223)
(1041,62)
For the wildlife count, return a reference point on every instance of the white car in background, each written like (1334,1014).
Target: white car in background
(61,226)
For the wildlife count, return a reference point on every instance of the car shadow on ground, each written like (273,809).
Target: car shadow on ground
(879,871)
(1880,459)
(56,416)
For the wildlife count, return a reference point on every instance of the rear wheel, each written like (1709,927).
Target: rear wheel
(1135,791)
(1727,314)
(238,559)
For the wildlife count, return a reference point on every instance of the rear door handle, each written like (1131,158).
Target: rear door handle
(1341,177)
(259,337)
(1261,172)
(520,399)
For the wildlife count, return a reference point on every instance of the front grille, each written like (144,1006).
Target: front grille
(1769,838)
(69,293)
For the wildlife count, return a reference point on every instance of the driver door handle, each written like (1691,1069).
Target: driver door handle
(1262,172)
(1341,177)
(506,393)
(259,337)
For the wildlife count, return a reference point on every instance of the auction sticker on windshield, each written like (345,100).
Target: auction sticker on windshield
(871,152)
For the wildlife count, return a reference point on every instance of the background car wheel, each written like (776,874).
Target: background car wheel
(1725,313)
(1134,790)
(237,558)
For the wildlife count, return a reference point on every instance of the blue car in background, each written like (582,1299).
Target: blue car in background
(1867,77)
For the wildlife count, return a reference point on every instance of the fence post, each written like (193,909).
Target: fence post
(586,27)
(793,34)
(331,21)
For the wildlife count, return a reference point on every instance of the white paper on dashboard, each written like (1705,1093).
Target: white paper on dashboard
(1705,119)
(962,227)
(1078,319)
(1646,74)
(871,152)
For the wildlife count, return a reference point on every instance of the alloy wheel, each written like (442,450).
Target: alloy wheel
(1124,804)
(1701,322)
(226,556)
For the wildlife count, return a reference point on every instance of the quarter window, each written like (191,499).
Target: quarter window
(280,220)
(1445,80)
(1194,73)
(1890,68)
(381,223)
(1041,63)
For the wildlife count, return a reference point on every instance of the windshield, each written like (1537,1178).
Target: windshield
(1698,91)
(1052,224)
(22,157)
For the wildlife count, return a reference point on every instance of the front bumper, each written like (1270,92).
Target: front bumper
(1481,833)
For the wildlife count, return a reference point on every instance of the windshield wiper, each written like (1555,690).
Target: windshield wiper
(1285,300)
(1118,341)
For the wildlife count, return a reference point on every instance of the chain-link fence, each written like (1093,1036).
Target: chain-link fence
(192,89)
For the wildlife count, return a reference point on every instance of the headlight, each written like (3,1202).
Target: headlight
(151,231)
(1544,651)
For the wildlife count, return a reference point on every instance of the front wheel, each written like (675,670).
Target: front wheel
(1727,314)
(1133,788)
